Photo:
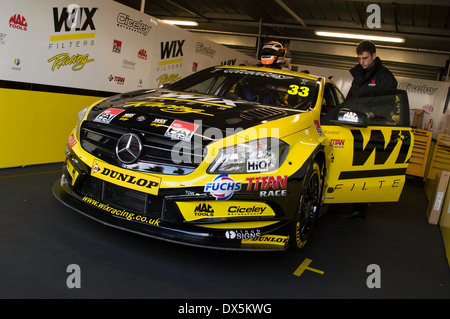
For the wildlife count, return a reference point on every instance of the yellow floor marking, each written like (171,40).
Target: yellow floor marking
(304,266)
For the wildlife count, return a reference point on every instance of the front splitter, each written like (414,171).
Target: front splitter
(163,231)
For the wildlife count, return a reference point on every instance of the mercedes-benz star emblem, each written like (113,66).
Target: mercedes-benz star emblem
(128,148)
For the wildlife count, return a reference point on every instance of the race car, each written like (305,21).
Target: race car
(235,158)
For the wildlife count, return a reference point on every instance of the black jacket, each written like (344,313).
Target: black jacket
(377,77)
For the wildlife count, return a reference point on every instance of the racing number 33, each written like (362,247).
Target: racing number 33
(300,90)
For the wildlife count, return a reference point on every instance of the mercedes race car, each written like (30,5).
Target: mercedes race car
(234,157)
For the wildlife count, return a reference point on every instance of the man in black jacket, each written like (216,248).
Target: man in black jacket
(370,73)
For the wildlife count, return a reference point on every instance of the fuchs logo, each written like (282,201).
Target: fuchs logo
(74,18)
(124,21)
(142,54)
(18,22)
(222,187)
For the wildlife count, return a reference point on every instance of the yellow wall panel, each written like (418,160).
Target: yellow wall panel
(35,125)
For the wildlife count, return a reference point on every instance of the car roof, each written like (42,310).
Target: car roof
(279,71)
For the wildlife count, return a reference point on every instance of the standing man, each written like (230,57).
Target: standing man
(370,73)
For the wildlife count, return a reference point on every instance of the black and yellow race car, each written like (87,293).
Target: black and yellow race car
(234,157)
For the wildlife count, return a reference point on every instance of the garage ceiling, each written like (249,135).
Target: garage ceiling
(424,24)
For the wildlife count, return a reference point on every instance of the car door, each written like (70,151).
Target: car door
(370,143)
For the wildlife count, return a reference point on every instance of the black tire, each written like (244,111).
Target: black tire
(308,207)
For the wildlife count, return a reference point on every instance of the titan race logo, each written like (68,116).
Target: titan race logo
(377,143)
(74,18)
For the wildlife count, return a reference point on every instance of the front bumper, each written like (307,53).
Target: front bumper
(166,224)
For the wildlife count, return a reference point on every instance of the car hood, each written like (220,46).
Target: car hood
(159,111)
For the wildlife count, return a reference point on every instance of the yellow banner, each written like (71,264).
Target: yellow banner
(138,181)
(223,209)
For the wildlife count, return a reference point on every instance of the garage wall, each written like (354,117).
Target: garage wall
(406,62)
(35,125)
(59,57)
(430,96)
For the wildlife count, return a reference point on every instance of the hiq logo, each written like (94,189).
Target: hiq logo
(223,187)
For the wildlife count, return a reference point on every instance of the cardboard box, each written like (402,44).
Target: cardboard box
(417,119)
(444,223)
(438,197)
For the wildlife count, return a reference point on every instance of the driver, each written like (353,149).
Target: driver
(273,55)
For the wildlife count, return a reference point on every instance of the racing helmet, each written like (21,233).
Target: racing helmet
(273,53)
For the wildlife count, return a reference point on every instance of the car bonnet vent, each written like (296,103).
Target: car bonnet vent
(262,113)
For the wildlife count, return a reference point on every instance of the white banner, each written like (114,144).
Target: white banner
(99,45)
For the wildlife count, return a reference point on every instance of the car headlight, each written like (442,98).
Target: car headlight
(82,113)
(262,155)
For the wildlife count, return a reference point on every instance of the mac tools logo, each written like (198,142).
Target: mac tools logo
(223,187)
(18,22)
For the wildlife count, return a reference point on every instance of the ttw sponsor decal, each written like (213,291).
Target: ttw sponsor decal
(118,79)
(77,61)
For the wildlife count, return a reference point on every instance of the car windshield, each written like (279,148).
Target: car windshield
(265,87)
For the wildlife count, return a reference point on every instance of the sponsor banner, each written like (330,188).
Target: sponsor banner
(140,182)
(197,210)
(266,241)
(431,97)
(101,45)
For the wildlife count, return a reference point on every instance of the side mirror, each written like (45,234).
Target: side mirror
(347,116)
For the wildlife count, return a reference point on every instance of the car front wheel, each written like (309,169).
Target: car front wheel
(308,206)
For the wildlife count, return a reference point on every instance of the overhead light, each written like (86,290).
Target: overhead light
(359,36)
(181,22)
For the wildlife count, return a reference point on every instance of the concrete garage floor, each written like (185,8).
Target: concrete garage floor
(40,238)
